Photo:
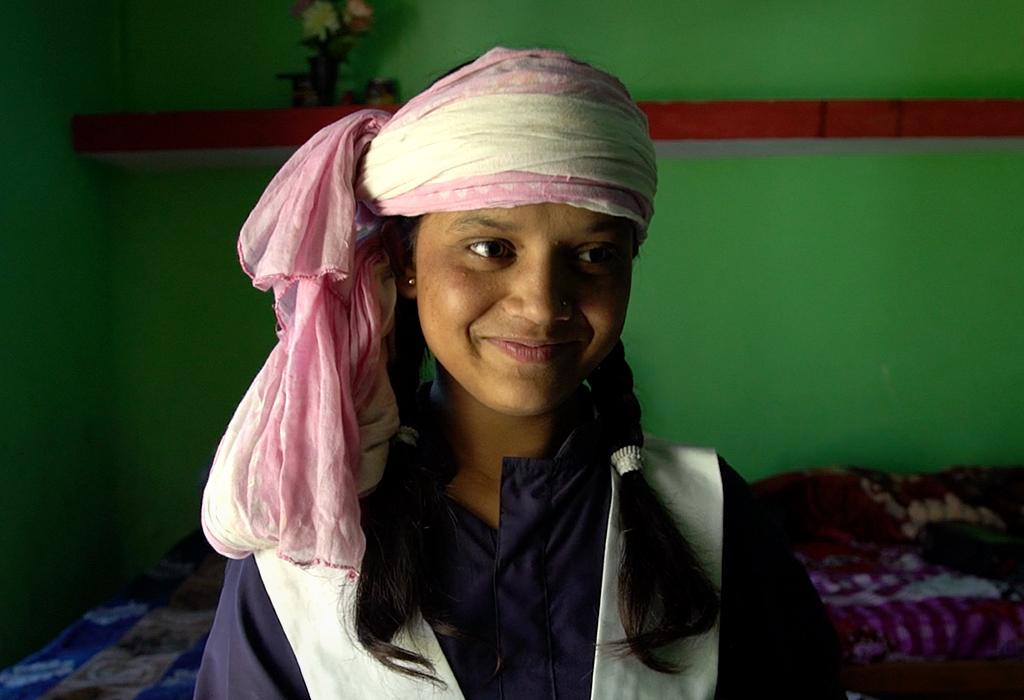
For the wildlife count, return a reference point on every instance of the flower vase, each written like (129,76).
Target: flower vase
(323,75)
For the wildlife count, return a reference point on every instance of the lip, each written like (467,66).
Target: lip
(525,350)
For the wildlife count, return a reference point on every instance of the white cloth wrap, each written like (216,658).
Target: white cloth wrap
(536,133)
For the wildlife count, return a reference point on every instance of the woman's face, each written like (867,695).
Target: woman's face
(520,304)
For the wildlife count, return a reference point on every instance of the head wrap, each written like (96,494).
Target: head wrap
(312,432)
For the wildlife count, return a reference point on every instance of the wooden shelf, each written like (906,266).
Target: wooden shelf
(680,129)
(966,679)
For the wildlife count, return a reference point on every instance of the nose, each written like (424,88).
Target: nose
(543,290)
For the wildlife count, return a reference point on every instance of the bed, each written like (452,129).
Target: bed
(146,642)
(922,574)
(909,627)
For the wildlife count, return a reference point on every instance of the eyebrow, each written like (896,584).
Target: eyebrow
(603,225)
(474,220)
(615,224)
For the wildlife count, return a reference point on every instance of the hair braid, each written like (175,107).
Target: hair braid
(393,582)
(664,595)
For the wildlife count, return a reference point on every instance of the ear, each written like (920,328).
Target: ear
(406,281)
(403,265)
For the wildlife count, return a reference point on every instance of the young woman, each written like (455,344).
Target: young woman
(505,530)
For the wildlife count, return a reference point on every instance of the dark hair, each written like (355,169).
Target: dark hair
(664,595)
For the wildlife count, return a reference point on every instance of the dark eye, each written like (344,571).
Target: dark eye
(599,254)
(488,248)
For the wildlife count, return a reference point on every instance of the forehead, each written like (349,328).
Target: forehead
(531,218)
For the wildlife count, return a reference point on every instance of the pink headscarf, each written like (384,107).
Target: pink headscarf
(312,432)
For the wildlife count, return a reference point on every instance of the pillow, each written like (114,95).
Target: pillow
(845,502)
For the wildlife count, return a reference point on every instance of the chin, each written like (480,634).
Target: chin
(523,402)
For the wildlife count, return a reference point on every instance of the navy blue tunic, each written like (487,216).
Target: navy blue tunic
(529,592)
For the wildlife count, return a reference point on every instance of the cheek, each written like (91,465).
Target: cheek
(605,309)
(606,315)
(606,323)
(449,301)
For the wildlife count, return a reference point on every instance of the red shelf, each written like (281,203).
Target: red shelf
(173,131)
(678,128)
(804,119)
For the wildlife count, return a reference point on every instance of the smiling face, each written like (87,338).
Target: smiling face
(520,304)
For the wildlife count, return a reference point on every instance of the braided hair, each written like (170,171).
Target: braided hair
(664,595)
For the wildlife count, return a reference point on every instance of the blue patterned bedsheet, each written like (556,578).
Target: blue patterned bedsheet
(144,643)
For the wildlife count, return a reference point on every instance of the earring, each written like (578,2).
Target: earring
(411,281)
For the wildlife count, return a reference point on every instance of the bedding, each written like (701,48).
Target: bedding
(859,532)
(146,642)
(888,603)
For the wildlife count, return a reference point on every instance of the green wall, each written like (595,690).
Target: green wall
(193,55)
(791,311)
(192,333)
(862,309)
(58,468)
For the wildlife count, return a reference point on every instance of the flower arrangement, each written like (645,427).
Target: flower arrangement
(332,26)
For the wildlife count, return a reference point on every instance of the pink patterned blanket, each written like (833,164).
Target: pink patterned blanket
(888,604)
(857,531)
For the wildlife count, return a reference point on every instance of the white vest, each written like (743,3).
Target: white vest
(313,605)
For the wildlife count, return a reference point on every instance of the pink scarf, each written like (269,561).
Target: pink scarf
(312,432)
